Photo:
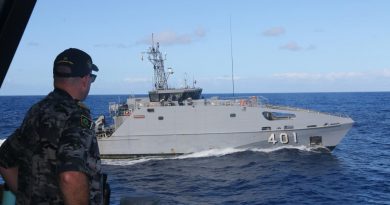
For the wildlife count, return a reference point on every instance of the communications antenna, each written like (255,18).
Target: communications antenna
(231,52)
(156,58)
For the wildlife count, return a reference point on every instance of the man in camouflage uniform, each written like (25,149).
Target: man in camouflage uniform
(53,157)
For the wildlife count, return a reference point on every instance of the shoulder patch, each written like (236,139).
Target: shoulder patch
(85,122)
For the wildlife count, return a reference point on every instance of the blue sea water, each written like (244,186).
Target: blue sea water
(356,172)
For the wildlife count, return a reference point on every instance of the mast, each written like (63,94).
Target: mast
(231,52)
(156,58)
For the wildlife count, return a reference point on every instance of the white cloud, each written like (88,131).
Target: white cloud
(385,72)
(164,37)
(273,32)
(292,46)
(171,37)
(318,76)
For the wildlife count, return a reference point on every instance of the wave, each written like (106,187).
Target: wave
(201,154)
(301,148)
(210,153)
(127,162)
(205,154)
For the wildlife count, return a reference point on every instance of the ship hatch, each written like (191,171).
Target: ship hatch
(316,140)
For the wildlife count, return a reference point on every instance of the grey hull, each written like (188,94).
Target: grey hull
(163,145)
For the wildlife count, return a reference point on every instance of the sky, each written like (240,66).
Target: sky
(277,46)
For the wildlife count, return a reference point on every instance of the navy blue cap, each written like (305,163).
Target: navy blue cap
(77,60)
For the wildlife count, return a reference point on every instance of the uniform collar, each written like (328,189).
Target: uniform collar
(63,93)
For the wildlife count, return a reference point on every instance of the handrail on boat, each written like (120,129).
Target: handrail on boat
(243,101)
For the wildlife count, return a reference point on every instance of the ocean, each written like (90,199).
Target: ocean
(356,172)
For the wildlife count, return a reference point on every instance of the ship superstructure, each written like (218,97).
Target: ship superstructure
(162,92)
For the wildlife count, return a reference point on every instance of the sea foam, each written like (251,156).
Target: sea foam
(202,154)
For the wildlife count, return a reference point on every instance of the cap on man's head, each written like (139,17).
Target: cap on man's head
(79,62)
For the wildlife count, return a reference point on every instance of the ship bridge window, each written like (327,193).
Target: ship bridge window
(160,118)
(232,114)
(278,115)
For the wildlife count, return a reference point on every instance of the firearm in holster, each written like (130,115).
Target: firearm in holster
(106,190)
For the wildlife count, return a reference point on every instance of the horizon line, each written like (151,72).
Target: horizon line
(215,93)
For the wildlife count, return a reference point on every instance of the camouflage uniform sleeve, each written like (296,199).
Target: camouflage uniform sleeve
(9,150)
(73,144)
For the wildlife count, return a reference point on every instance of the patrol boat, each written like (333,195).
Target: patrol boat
(175,121)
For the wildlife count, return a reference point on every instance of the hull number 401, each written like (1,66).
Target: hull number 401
(283,137)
